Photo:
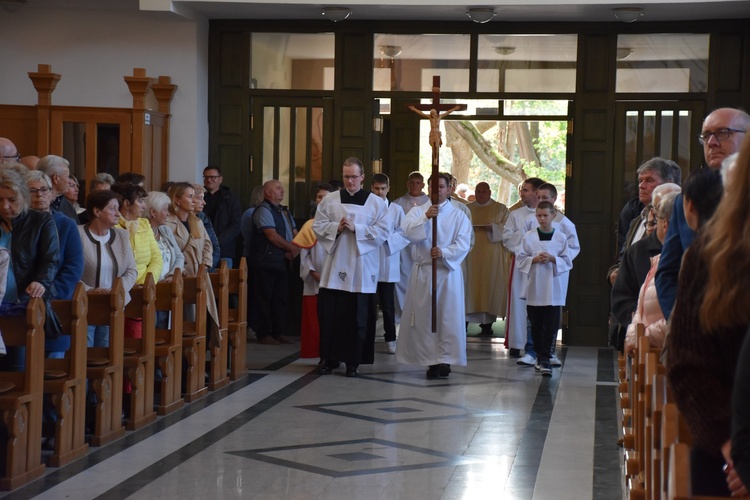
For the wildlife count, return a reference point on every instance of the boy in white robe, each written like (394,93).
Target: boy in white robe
(544,256)
(417,344)
(390,264)
(548,192)
(350,224)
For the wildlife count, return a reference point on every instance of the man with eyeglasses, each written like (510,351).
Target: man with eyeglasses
(351,225)
(224,209)
(57,169)
(8,151)
(721,135)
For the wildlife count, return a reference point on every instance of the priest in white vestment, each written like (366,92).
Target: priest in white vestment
(418,344)
(487,264)
(351,225)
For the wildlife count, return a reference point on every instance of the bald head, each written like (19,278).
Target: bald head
(273,191)
(8,151)
(722,134)
(30,161)
(482,193)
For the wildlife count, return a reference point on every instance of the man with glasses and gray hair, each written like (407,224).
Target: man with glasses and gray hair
(57,169)
(721,135)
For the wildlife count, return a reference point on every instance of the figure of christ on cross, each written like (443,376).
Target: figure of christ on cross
(435,139)
(432,112)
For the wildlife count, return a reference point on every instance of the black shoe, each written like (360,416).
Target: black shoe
(351,371)
(327,367)
(514,353)
(444,370)
(486,330)
(433,371)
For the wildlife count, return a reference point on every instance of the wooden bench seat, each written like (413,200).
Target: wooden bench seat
(218,376)
(168,349)
(105,364)
(194,334)
(237,322)
(68,391)
(21,399)
(139,356)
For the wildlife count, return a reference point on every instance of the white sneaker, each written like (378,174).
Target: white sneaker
(537,366)
(553,361)
(391,346)
(527,360)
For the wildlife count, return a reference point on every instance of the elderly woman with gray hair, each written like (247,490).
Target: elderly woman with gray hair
(157,211)
(31,239)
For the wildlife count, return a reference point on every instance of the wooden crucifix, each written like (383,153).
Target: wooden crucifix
(432,111)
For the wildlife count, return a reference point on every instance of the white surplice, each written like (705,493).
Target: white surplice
(567,227)
(544,286)
(513,232)
(390,251)
(417,344)
(353,262)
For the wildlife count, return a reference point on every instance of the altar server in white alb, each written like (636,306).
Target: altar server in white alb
(390,264)
(544,257)
(351,224)
(417,344)
(548,192)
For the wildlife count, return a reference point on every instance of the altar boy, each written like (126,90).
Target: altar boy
(543,259)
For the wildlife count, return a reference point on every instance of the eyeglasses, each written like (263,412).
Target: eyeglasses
(211,177)
(649,224)
(3,159)
(352,177)
(721,134)
(42,190)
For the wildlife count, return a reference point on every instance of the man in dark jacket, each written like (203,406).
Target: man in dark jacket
(224,209)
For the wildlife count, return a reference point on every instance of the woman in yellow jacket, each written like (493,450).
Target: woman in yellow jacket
(145,248)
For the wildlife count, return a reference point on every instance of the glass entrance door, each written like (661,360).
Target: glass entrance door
(291,143)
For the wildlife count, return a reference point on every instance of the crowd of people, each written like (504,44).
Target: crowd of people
(683,273)
(359,250)
(681,269)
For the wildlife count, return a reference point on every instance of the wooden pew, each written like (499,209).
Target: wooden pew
(65,381)
(21,398)
(635,461)
(168,350)
(674,429)
(194,335)
(139,355)
(237,322)
(218,376)
(105,364)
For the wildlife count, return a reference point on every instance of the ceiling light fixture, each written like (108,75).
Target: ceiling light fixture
(505,51)
(623,53)
(627,14)
(481,15)
(391,50)
(337,14)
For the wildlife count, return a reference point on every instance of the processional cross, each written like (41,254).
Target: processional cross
(432,111)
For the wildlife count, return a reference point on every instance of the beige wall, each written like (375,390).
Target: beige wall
(94,49)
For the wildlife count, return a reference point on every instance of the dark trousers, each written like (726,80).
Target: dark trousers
(271,289)
(344,319)
(545,321)
(386,298)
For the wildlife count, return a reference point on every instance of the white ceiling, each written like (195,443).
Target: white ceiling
(424,10)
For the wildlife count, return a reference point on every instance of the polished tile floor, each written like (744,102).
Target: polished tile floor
(492,430)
